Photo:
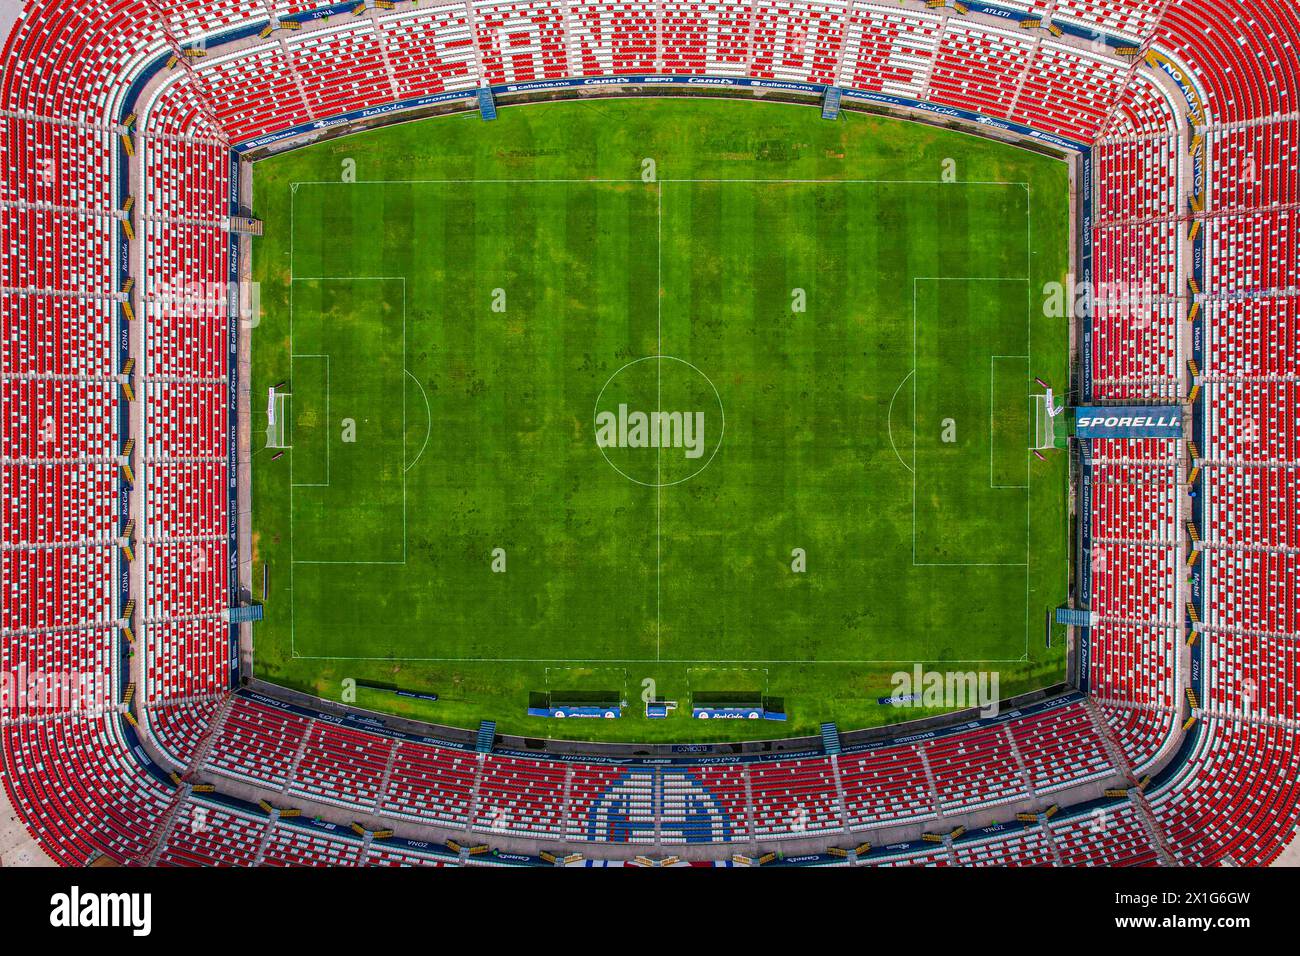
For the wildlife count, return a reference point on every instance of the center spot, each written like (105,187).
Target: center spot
(658,421)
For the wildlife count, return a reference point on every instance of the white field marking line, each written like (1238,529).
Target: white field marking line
(659,303)
(546,674)
(428,432)
(1039,415)
(659,406)
(282,399)
(286,409)
(1042,423)
(293,190)
(834,662)
(617,670)
(1028,471)
(599,181)
(992,359)
(889,419)
(767,674)
(293,560)
(956,564)
(1029,232)
(293,649)
(463,182)
(671,660)
(722,431)
(309,561)
(326,430)
(1029,517)
(853,182)
(1033,422)
(891,182)
(431,425)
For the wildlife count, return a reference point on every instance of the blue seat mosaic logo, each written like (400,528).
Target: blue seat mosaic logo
(687,810)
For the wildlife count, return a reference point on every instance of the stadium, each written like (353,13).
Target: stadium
(880,418)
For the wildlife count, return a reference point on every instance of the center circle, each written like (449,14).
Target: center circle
(658,421)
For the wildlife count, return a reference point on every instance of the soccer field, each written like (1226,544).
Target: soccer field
(836,348)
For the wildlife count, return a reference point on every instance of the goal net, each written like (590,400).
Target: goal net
(277,414)
(1045,419)
(1044,431)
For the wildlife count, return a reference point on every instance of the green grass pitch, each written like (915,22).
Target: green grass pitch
(450,325)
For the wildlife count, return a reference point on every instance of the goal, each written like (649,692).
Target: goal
(1044,421)
(277,413)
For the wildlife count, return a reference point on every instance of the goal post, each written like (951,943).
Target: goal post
(1041,431)
(277,415)
(1046,415)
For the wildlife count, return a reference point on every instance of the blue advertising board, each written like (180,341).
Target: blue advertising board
(606,713)
(727,713)
(543,86)
(735,713)
(1129,421)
